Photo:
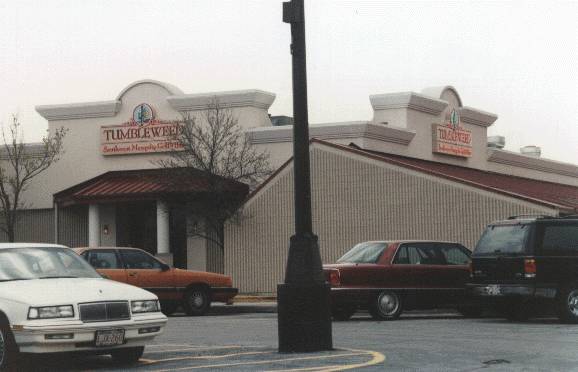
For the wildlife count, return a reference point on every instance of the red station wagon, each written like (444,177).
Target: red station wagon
(387,277)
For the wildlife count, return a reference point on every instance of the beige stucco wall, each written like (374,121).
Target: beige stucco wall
(356,199)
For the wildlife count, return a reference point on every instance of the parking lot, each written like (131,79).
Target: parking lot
(244,338)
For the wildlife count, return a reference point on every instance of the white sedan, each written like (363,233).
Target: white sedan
(51,300)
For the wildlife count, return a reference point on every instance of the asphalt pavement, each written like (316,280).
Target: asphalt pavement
(243,337)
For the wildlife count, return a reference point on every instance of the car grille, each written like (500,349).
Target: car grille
(104,311)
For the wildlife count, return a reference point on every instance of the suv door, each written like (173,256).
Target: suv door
(557,253)
(107,262)
(145,271)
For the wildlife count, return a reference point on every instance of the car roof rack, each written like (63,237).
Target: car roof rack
(519,216)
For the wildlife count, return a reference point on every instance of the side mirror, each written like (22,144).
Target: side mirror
(165,267)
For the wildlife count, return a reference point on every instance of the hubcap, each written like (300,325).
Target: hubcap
(197,299)
(573,302)
(2,348)
(388,304)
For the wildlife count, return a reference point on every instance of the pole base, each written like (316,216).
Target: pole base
(304,317)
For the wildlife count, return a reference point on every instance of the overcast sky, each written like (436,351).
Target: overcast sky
(518,60)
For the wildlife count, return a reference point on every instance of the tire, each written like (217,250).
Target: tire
(169,308)
(129,355)
(470,311)
(343,313)
(386,306)
(196,301)
(8,349)
(567,304)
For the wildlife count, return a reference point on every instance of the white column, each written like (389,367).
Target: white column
(162,227)
(93,226)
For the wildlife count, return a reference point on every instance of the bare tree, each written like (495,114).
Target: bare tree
(19,164)
(216,150)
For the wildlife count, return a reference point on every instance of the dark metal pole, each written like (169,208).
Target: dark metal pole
(304,314)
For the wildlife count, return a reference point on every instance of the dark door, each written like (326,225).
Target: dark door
(455,272)
(137,225)
(426,276)
(557,254)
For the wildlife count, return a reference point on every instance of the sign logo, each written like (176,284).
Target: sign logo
(454,119)
(142,133)
(142,114)
(451,138)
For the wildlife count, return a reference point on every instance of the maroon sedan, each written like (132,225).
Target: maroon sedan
(386,277)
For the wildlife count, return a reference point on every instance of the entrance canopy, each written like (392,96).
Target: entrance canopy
(148,184)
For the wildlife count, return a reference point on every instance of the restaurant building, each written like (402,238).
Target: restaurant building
(422,167)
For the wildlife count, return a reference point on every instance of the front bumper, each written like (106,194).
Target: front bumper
(523,291)
(31,336)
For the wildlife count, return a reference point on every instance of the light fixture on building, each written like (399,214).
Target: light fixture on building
(105,230)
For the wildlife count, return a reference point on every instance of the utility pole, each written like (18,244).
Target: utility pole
(304,312)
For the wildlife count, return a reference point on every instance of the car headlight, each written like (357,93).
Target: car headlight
(145,306)
(50,312)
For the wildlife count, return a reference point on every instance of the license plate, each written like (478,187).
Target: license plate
(109,337)
(493,290)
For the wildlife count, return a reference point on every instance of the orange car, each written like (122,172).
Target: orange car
(194,290)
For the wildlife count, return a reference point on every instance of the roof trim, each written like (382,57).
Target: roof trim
(408,100)
(83,110)
(235,98)
(171,89)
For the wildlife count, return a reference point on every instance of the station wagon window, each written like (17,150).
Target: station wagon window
(560,238)
(103,260)
(367,252)
(418,254)
(455,255)
(139,260)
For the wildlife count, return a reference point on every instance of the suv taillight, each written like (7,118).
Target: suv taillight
(334,278)
(529,268)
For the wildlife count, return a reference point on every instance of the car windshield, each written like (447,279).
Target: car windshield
(42,263)
(503,239)
(368,252)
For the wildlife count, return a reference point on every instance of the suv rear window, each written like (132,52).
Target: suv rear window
(503,239)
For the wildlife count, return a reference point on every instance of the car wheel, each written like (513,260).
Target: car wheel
(169,308)
(196,301)
(343,313)
(129,355)
(8,349)
(568,305)
(386,306)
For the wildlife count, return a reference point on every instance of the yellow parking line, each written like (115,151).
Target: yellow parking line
(271,361)
(377,358)
(197,348)
(212,356)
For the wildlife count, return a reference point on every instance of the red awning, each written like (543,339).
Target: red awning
(147,184)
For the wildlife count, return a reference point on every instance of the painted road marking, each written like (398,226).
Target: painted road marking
(377,358)
(211,356)
(198,348)
(261,362)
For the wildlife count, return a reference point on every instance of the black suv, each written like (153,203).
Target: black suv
(525,262)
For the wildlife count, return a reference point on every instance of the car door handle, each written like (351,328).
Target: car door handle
(132,273)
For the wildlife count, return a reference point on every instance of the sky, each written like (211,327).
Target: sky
(518,60)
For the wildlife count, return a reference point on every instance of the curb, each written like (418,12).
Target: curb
(254,299)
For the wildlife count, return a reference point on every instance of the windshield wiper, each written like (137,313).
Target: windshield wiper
(57,277)
(11,280)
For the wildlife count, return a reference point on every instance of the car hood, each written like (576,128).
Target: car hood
(38,292)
